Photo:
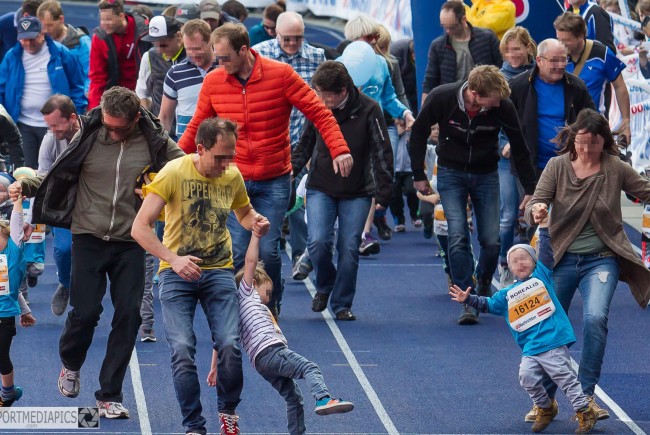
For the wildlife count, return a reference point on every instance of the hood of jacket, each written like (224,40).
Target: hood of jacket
(72,38)
(509,71)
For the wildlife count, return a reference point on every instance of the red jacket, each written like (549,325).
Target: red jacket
(261,110)
(127,54)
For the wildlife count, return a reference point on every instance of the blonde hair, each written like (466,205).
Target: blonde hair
(382,46)
(260,277)
(486,80)
(4,228)
(358,27)
(521,35)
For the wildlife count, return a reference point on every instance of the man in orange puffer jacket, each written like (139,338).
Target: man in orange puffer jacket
(258,94)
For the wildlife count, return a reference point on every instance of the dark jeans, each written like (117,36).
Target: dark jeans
(322,212)
(483,189)
(216,292)
(269,198)
(403,186)
(7,333)
(280,366)
(62,254)
(92,261)
(32,138)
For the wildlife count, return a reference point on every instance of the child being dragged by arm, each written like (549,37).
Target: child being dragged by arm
(267,347)
(540,327)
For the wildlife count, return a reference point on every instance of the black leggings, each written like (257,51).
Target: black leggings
(7,332)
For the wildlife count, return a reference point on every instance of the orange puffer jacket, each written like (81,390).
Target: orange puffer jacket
(261,110)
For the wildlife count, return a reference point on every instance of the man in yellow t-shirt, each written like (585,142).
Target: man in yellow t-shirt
(197,192)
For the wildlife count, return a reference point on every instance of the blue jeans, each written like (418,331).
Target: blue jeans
(483,189)
(280,366)
(62,254)
(298,236)
(508,208)
(596,277)
(322,212)
(216,292)
(270,198)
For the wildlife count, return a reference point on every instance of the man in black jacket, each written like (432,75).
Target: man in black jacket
(463,46)
(547,98)
(331,195)
(91,190)
(470,115)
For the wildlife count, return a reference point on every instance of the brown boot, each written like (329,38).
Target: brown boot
(532,414)
(544,417)
(602,413)
(587,418)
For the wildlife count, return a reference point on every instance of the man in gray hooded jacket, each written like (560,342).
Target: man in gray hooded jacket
(75,39)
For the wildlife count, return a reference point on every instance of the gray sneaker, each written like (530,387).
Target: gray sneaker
(60,300)
(302,268)
(468,316)
(112,410)
(69,383)
(147,334)
(506,278)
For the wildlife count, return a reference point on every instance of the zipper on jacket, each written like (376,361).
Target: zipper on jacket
(469,133)
(107,237)
(248,133)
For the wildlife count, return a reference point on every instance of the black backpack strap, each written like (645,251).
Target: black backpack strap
(113,65)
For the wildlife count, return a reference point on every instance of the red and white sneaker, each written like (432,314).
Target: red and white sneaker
(229,424)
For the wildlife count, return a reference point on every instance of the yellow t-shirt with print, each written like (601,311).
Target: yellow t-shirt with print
(196,211)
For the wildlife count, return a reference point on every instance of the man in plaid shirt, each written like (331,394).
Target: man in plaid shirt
(290,47)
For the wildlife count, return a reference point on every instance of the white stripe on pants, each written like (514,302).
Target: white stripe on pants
(556,363)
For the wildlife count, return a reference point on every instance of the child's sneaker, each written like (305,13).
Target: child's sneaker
(69,383)
(417,223)
(400,228)
(587,418)
(6,403)
(368,245)
(327,406)
(112,410)
(544,417)
(229,425)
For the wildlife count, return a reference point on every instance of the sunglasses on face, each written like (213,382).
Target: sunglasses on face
(371,36)
(118,130)
(290,39)
(268,28)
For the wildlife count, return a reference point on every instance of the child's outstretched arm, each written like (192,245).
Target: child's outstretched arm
(464,297)
(252,257)
(16,222)
(545,255)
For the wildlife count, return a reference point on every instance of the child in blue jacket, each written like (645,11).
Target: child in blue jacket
(540,327)
(12,271)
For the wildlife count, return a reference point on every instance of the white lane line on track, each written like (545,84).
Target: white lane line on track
(352,360)
(611,404)
(138,391)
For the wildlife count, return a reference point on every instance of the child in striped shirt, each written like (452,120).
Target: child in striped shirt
(268,351)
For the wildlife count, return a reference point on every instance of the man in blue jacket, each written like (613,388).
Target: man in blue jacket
(33,70)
